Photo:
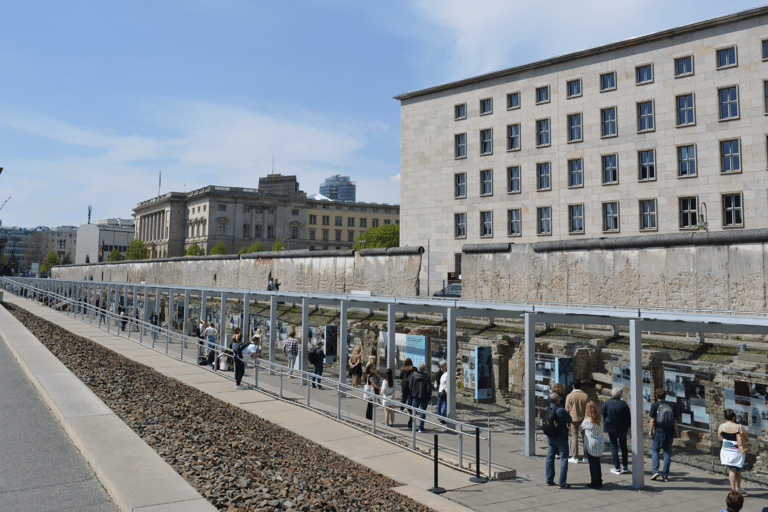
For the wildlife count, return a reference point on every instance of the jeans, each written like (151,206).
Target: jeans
(421,404)
(595,472)
(154,333)
(555,446)
(291,362)
(663,441)
(319,373)
(618,439)
(442,406)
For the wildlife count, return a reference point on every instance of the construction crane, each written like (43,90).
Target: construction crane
(1,207)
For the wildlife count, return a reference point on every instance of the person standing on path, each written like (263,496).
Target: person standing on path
(237,345)
(388,397)
(575,406)
(153,322)
(594,441)
(617,422)
(210,334)
(663,431)
(291,350)
(735,445)
(356,366)
(442,390)
(557,443)
(318,361)
(421,389)
(734,502)
(405,387)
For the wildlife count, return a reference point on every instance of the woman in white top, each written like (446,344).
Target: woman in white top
(594,441)
(388,397)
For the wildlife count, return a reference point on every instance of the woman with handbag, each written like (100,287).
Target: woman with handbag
(734,448)
(370,389)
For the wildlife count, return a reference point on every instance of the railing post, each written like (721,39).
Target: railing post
(461,446)
(436,489)
(255,372)
(309,388)
(477,478)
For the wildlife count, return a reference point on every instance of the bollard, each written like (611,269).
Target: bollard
(436,489)
(255,372)
(477,479)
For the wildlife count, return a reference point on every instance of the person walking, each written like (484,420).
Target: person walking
(291,350)
(575,405)
(356,366)
(405,387)
(153,322)
(555,424)
(421,390)
(388,397)
(200,341)
(663,430)
(617,422)
(317,363)
(594,441)
(442,391)
(371,389)
(210,334)
(236,345)
(121,313)
(560,390)
(735,445)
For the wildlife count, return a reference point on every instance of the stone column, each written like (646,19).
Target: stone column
(343,341)
(530,383)
(391,348)
(636,405)
(452,347)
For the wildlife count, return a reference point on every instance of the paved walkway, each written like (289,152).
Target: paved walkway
(687,490)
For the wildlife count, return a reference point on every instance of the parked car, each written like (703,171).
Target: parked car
(452,290)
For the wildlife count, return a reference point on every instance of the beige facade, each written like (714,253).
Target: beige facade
(646,136)
(337,224)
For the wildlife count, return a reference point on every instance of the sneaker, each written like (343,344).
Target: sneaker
(664,479)
(616,471)
(624,471)
(240,386)
(573,460)
(421,430)
(742,491)
(655,476)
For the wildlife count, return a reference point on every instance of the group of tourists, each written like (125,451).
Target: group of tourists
(574,421)
(236,354)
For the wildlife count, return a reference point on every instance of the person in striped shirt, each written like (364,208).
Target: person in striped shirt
(594,441)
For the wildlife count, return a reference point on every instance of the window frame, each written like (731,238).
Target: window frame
(350,222)
(539,176)
(486,182)
(510,138)
(457,145)
(486,224)
(571,230)
(721,49)
(641,117)
(615,169)
(518,222)
(654,216)
(539,219)
(680,213)
(489,141)
(764,49)
(540,132)
(456,116)
(730,156)
(568,83)
(765,97)
(638,70)
(579,172)
(724,211)
(537,95)
(490,106)
(686,73)
(510,95)
(686,109)
(457,185)
(681,161)
(615,215)
(651,169)
(604,123)
(720,103)
(614,80)
(579,116)
(511,180)
(460,225)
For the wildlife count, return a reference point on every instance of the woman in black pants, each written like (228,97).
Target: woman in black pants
(237,349)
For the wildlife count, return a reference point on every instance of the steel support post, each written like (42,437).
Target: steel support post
(304,351)
(185,327)
(245,329)
(530,383)
(636,405)
(342,346)
(273,334)
(171,311)
(223,321)
(391,348)
(452,349)
(146,310)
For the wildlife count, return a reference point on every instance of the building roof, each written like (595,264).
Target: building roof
(664,34)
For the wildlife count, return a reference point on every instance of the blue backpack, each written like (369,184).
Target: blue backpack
(665,416)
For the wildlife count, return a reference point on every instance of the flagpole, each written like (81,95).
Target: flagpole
(159,182)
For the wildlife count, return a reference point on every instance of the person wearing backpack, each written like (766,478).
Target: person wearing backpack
(556,424)
(316,359)
(663,431)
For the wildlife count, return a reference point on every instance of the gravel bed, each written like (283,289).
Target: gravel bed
(235,459)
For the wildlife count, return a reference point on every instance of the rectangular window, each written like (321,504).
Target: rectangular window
(576,218)
(460,188)
(730,160)
(246,231)
(325,235)
(270,231)
(686,161)
(576,173)
(460,111)
(644,74)
(608,122)
(387,222)
(684,66)
(222,229)
(486,183)
(688,212)
(513,179)
(610,169)
(611,216)
(222,207)
(513,137)
(486,141)
(732,210)
(350,236)
(326,220)
(608,81)
(765,96)
(295,232)
(350,222)
(542,94)
(765,49)
(513,100)
(645,116)
(729,102)
(486,223)
(338,235)
(374,223)
(311,234)
(313,219)
(685,111)
(542,132)
(460,225)
(457,264)
(338,221)
(363,222)
(574,128)
(246,210)
(257,231)
(543,176)
(647,214)
(460,145)
(726,57)
(514,227)
(573,88)
(646,162)
(486,106)
(544,220)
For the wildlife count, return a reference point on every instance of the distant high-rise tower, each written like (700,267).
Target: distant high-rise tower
(339,188)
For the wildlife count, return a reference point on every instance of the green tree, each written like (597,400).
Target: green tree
(136,250)
(195,250)
(219,248)
(67,260)
(115,255)
(50,261)
(385,236)
(278,246)
(254,247)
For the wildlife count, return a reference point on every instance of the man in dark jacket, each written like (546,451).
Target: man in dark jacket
(558,444)
(421,390)
(617,421)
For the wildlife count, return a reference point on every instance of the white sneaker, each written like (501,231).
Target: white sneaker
(615,471)
(573,460)
(240,386)
(655,476)
(742,491)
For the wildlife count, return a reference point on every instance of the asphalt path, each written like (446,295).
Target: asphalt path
(40,468)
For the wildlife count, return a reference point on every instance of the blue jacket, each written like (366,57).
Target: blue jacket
(616,416)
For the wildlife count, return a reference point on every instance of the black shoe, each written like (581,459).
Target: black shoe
(566,486)
(314,386)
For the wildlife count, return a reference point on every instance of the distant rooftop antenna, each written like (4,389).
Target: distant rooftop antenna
(159,182)
(89,213)
(273,165)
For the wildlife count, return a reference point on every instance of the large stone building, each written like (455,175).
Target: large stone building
(238,217)
(32,245)
(659,134)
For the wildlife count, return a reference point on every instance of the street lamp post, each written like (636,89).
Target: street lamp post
(703,225)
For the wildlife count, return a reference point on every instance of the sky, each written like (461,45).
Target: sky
(98,98)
